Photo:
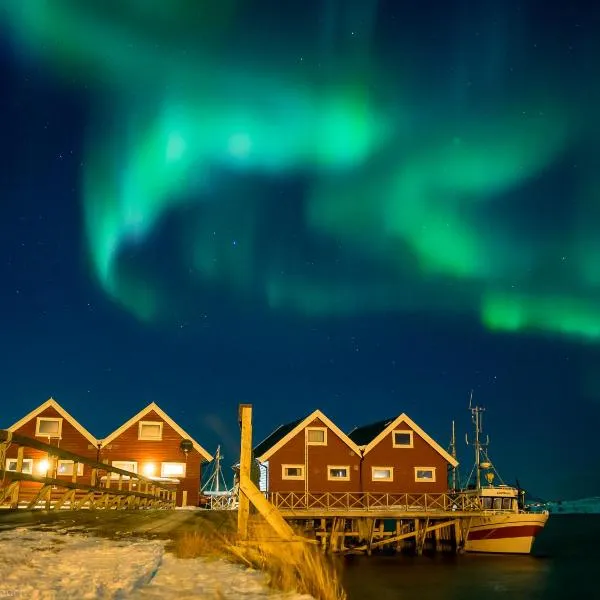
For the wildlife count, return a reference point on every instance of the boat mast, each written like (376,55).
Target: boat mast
(477,417)
(217,467)
(453,453)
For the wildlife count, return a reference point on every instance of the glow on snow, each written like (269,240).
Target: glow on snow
(406,183)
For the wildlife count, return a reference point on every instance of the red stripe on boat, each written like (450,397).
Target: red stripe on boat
(505,532)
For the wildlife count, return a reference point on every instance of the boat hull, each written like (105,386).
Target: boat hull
(505,533)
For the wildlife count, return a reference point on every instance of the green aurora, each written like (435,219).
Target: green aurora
(395,192)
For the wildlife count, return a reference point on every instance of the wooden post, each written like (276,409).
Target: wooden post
(184,498)
(245,419)
(14,501)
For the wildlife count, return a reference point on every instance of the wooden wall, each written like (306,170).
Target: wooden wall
(127,447)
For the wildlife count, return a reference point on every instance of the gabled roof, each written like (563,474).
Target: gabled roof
(165,417)
(368,436)
(284,433)
(275,436)
(52,403)
(366,433)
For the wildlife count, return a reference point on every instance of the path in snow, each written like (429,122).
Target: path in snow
(49,565)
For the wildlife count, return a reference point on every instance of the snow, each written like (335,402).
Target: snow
(583,505)
(41,564)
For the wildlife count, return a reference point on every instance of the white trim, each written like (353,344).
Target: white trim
(411,435)
(168,463)
(425,479)
(26,461)
(309,429)
(52,403)
(345,467)
(38,424)
(71,463)
(287,477)
(151,438)
(403,418)
(124,465)
(390,477)
(317,414)
(154,407)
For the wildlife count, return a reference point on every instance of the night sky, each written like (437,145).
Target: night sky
(367,207)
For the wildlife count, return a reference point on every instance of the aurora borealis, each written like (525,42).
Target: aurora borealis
(360,206)
(399,171)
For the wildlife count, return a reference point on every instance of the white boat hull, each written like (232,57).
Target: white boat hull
(505,533)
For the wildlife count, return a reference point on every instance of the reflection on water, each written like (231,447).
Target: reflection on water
(562,566)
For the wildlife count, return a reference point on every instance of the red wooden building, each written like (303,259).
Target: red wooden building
(52,424)
(310,454)
(152,444)
(398,456)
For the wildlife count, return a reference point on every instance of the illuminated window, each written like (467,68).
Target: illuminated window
(402,438)
(150,430)
(126,465)
(316,436)
(382,473)
(336,473)
(65,467)
(11,465)
(292,472)
(425,474)
(48,427)
(172,469)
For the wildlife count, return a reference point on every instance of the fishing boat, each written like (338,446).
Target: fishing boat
(504,524)
(215,494)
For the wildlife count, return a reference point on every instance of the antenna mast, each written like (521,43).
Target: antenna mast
(478,446)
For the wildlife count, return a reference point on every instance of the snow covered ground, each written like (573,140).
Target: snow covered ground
(53,565)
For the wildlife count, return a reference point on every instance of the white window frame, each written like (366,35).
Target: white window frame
(410,433)
(390,477)
(69,462)
(323,443)
(119,464)
(173,475)
(331,467)
(150,438)
(425,479)
(26,461)
(39,420)
(287,477)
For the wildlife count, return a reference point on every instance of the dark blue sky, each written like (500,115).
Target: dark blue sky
(63,336)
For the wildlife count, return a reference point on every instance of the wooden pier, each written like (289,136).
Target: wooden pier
(105,487)
(364,522)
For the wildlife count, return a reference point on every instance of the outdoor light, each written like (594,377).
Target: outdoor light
(149,469)
(43,466)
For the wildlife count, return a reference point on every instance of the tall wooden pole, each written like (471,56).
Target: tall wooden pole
(245,420)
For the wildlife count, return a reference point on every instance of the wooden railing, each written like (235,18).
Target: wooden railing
(374,501)
(105,487)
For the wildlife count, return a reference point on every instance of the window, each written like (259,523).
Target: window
(126,465)
(11,465)
(425,474)
(336,473)
(172,469)
(316,436)
(150,430)
(402,438)
(65,467)
(382,473)
(292,472)
(48,427)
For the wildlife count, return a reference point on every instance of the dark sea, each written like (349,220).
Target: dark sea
(565,564)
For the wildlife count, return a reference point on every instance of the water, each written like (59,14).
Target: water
(564,564)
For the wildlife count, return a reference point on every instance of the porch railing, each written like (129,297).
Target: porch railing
(105,486)
(375,501)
